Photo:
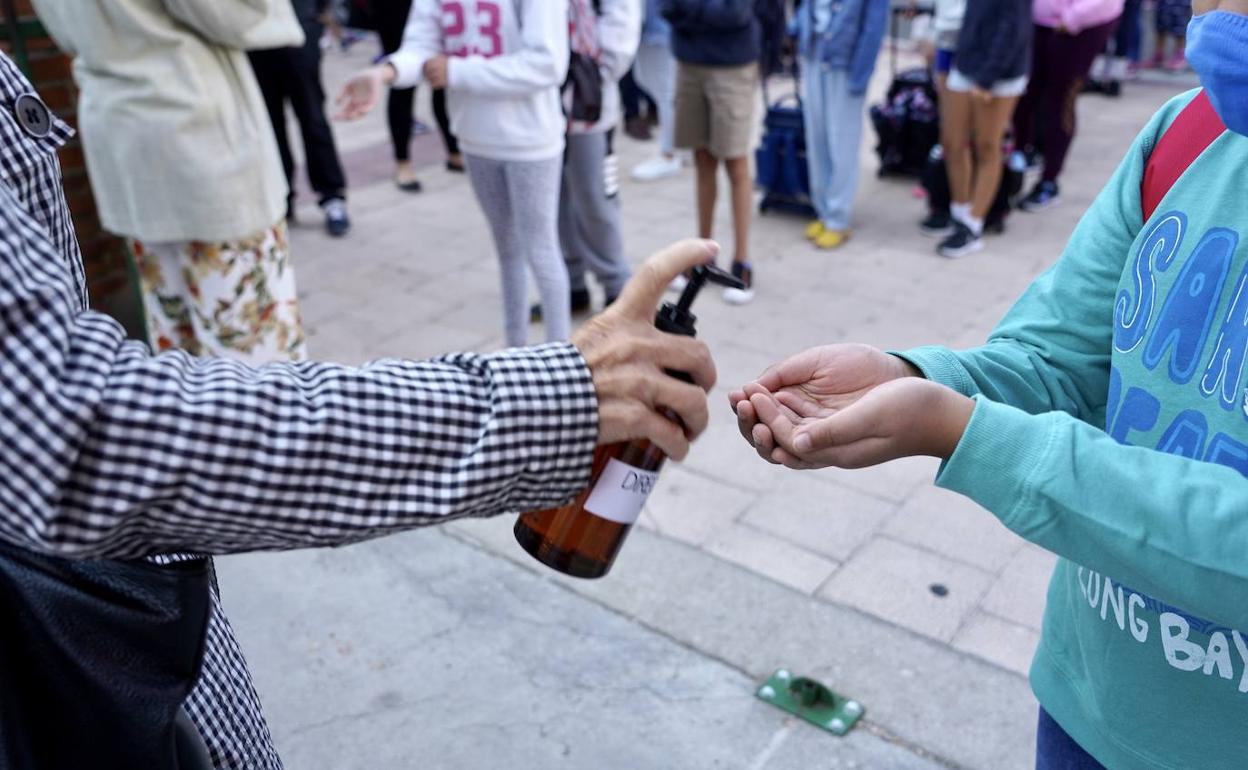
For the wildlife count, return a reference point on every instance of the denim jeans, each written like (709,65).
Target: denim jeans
(833,119)
(1127,37)
(655,71)
(1055,750)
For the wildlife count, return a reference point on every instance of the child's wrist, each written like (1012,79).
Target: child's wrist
(956,414)
(904,368)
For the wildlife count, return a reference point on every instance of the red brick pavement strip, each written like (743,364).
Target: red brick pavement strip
(374,163)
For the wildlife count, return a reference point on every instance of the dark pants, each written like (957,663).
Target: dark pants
(390,17)
(632,96)
(1127,38)
(1055,750)
(294,75)
(1060,64)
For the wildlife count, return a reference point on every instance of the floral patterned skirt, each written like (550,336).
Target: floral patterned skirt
(234,299)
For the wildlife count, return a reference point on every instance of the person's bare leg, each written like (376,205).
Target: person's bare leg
(707,166)
(955,141)
(742,206)
(989,120)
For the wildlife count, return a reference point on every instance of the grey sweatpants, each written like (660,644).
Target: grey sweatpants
(589,216)
(521,201)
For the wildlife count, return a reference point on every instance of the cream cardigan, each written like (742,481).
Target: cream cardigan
(177,139)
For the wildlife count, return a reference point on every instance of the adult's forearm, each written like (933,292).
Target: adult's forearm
(172,453)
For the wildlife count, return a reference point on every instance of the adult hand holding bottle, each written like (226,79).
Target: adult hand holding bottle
(629,359)
(651,377)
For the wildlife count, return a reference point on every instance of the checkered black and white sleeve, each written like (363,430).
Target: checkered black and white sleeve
(111,451)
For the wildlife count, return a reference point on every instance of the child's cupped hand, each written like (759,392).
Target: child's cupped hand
(848,406)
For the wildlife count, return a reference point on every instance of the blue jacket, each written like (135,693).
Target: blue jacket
(654,28)
(719,33)
(850,41)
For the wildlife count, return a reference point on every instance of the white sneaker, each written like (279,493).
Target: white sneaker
(659,167)
(745,295)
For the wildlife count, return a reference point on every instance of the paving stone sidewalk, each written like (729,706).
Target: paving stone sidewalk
(417,277)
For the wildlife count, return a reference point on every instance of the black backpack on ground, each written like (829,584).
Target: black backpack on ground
(907,124)
(935,181)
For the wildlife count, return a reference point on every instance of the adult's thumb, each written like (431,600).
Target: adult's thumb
(642,293)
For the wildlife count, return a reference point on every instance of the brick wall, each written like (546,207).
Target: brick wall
(112,290)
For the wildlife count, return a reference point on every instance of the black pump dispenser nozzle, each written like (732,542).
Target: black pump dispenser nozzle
(676,318)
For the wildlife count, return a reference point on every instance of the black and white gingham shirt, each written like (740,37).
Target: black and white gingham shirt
(109,451)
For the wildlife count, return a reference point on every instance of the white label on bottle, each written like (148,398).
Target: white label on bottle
(620,493)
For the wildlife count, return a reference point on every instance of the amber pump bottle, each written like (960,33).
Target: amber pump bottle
(583,537)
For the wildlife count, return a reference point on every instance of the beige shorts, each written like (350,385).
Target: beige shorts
(715,108)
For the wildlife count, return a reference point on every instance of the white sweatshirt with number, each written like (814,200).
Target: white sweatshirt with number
(507,61)
(619,34)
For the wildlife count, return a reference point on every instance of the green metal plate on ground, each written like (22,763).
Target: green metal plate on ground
(812,701)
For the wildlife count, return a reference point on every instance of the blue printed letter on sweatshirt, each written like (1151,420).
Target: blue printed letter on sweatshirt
(1157,251)
(1186,435)
(1225,450)
(1183,325)
(1139,412)
(1226,367)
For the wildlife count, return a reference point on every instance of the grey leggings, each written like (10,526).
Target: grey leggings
(521,201)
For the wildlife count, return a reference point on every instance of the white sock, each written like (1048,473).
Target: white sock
(960,211)
(976,224)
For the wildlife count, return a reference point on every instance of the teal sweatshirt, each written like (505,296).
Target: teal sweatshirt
(1111,427)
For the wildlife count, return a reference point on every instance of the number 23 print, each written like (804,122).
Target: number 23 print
(476,33)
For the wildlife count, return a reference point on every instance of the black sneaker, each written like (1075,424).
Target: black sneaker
(962,242)
(745,272)
(337,223)
(1112,88)
(579,304)
(1043,195)
(937,224)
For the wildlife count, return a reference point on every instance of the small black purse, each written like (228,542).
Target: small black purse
(585,82)
(96,659)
